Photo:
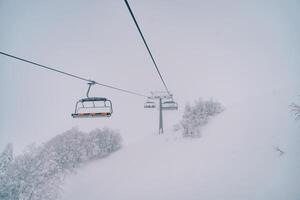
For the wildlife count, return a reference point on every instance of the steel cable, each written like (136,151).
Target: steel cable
(72,75)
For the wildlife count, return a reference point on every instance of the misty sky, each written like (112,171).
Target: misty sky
(231,51)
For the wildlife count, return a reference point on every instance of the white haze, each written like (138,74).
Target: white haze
(243,54)
(234,159)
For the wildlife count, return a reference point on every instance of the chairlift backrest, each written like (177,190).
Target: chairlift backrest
(91,99)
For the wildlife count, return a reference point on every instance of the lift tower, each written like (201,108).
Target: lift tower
(165,101)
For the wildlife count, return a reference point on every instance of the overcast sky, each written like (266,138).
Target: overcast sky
(231,51)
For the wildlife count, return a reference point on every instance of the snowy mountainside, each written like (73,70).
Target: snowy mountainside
(234,159)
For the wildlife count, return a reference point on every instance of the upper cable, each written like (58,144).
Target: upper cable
(147,47)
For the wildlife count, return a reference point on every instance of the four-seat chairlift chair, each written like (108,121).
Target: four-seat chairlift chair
(169,104)
(92,107)
(149,103)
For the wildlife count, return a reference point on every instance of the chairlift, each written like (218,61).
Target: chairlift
(149,104)
(92,107)
(169,105)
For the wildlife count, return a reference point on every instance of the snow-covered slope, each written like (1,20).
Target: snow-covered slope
(234,159)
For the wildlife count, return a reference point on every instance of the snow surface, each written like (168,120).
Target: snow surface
(234,159)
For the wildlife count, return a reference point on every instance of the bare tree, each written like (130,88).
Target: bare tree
(296,110)
(279,150)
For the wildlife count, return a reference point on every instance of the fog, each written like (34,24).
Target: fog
(233,52)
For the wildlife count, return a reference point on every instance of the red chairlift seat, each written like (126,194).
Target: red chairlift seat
(90,115)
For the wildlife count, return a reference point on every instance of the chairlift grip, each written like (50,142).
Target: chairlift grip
(89,88)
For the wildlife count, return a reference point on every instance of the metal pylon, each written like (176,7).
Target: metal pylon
(161,129)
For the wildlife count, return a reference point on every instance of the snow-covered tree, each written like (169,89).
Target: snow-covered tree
(6,159)
(67,150)
(39,172)
(198,115)
(102,142)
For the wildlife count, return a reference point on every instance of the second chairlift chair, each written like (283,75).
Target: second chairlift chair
(169,104)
